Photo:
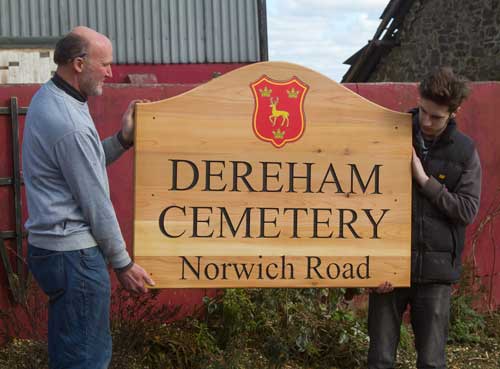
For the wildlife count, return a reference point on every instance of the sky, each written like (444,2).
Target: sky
(321,34)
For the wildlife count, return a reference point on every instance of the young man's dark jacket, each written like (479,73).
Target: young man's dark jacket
(444,205)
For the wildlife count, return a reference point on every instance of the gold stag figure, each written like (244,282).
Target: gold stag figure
(275,114)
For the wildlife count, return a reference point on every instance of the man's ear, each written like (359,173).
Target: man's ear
(454,114)
(77,64)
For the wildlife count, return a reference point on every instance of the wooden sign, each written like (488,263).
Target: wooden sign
(272,176)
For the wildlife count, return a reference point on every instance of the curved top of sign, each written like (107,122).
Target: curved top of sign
(279,101)
(279,72)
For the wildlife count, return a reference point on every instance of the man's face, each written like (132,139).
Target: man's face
(97,67)
(433,118)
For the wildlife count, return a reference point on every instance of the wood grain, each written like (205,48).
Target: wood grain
(211,129)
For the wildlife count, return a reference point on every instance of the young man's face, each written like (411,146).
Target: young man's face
(433,118)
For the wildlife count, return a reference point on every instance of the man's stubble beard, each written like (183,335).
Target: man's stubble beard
(88,86)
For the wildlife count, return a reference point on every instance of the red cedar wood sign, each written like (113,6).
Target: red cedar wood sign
(272,176)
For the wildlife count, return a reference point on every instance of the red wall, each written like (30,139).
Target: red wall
(477,118)
(172,73)
(106,112)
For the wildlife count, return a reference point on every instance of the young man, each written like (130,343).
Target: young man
(72,224)
(446,191)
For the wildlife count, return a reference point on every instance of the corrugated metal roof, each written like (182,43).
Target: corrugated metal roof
(145,31)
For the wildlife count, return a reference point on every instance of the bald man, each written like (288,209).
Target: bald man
(72,225)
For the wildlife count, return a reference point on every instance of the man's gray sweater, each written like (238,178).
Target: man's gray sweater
(64,168)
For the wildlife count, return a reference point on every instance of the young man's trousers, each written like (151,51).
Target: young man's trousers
(430,312)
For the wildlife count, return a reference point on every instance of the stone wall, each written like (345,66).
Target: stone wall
(464,34)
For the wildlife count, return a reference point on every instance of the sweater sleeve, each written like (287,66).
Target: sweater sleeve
(77,155)
(113,149)
(462,204)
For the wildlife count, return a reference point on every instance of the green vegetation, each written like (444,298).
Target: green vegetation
(264,329)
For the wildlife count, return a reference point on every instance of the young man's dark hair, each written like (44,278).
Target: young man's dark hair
(444,88)
(70,47)
(445,199)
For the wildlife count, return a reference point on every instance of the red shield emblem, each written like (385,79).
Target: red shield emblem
(279,110)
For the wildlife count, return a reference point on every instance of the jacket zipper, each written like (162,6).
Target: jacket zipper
(421,239)
(421,222)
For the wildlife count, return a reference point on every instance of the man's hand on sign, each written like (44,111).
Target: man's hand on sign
(128,121)
(133,279)
(385,287)
(418,170)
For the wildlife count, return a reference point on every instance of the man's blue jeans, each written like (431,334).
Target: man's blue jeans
(78,286)
(430,312)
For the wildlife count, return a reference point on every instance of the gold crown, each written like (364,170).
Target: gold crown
(266,92)
(293,93)
(278,134)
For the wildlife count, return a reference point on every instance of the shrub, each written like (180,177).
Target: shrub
(306,326)
(24,354)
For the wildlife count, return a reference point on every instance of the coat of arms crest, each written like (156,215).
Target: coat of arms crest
(279,110)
